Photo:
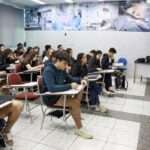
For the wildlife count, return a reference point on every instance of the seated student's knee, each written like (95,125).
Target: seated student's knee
(75,102)
(17,105)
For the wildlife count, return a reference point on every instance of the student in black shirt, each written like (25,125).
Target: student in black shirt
(20,50)
(94,61)
(79,69)
(107,62)
(3,59)
(70,52)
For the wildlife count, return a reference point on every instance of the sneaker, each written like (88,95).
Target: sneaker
(8,138)
(101,109)
(112,91)
(107,93)
(83,133)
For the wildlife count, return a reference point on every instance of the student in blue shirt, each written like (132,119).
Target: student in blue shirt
(55,79)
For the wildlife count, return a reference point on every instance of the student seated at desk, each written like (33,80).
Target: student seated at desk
(107,62)
(27,59)
(55,79)
(94,61)
(12,112)
(47,54)
(60,47)
(10,56)
(70,52)
(3,59)
(26,62)
(2,47)
(79,69)
(20,50)
(37,60)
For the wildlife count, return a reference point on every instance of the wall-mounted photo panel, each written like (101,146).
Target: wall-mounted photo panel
(127,15)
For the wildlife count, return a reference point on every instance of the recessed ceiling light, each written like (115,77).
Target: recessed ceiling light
(69,1)
(39,2)
(148,1)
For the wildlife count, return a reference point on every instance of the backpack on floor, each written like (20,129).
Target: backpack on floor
(148,59)
(2,124)
(140,60)
(121,82)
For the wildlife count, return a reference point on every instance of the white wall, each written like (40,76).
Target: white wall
(11,25)
(129,44)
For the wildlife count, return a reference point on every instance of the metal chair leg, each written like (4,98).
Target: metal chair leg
(43,120)
(29,112)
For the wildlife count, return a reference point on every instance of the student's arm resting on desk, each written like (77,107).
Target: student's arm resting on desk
(49,80)
(28,66)
(71,79)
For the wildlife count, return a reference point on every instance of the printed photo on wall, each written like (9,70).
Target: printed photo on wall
(121,15)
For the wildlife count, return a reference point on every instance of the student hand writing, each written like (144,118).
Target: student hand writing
(74,85)
(84,82)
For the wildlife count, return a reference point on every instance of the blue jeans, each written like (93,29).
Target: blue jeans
(94,92)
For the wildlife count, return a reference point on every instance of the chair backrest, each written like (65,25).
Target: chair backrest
(18,67)
(123,61)
(40,83)
(14,78)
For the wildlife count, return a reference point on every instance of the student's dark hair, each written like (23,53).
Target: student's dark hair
(48,47)
(98,52)
(105,56)
(113,50)
(19,46)
(54,54)
(59,46)
(68,50)
(88,57)
(28,51)
(36,47)
(79,57)
(1,45)
(62,56)
(7,52)
(93,52)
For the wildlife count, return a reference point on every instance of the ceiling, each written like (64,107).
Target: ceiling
(30,3)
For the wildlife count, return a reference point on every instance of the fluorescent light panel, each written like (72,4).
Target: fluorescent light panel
(148,1)
(69,1)
(39,2)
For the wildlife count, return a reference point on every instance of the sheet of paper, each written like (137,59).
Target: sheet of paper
(68,92)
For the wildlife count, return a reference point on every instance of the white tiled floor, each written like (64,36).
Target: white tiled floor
(129,105)
(137,88)
(132,106)
(109,133)
(54,136)
(111,146)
